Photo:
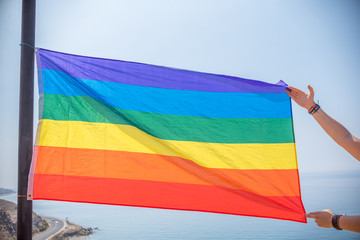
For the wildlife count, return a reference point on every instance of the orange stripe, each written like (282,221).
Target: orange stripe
(152,167)
(166,195)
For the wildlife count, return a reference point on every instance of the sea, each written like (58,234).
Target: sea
(338,191)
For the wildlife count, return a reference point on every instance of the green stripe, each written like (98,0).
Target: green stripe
(170,127)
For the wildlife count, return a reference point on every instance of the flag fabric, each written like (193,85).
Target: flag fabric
(133,134)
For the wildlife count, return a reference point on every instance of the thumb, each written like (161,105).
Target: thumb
(311,92)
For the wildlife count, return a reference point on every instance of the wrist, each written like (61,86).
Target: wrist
(335,221)
(313,109)
(308,106)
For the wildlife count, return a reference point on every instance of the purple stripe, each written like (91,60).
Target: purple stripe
(149,75)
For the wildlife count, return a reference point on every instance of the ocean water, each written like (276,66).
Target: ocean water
(339,192)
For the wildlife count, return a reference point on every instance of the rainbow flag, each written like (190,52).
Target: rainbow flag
(133,134)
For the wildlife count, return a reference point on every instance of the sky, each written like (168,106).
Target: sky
(300,42)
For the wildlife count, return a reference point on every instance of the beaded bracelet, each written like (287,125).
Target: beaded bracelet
(335,221)
(314,109)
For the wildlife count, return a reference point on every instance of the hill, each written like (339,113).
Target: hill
(8,219)
(4,191)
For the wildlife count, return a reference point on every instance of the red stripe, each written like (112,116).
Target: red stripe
(166,195)
(160,168)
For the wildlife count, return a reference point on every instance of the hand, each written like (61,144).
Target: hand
(305,100)
(322,218)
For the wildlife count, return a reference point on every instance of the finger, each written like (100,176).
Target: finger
(310,215)
(328,211)
(292,96)
(293,89)
(289,93)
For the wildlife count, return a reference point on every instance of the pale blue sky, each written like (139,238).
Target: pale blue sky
(298,41)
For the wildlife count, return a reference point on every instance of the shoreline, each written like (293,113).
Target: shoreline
(7,193)
(68,230)
(49,220)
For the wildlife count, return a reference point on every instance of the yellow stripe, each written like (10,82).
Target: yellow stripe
(76,134)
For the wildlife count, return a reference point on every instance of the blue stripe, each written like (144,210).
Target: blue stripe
(171,101)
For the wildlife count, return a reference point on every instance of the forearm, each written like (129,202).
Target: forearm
(338,133)
(335,130)
(350,223)
(332,127)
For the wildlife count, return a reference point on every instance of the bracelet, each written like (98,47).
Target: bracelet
(314,109)
(335,221)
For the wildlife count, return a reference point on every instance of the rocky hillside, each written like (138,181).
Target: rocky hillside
(8,219)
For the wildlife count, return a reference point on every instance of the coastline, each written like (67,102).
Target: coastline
(71,231)
(41,224)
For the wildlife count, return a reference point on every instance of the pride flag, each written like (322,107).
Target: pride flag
(133,134)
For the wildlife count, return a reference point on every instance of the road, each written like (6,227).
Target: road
(55,225)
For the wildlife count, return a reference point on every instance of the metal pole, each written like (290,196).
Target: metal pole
(24,211)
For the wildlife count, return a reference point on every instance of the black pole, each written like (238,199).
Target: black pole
(26,104)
